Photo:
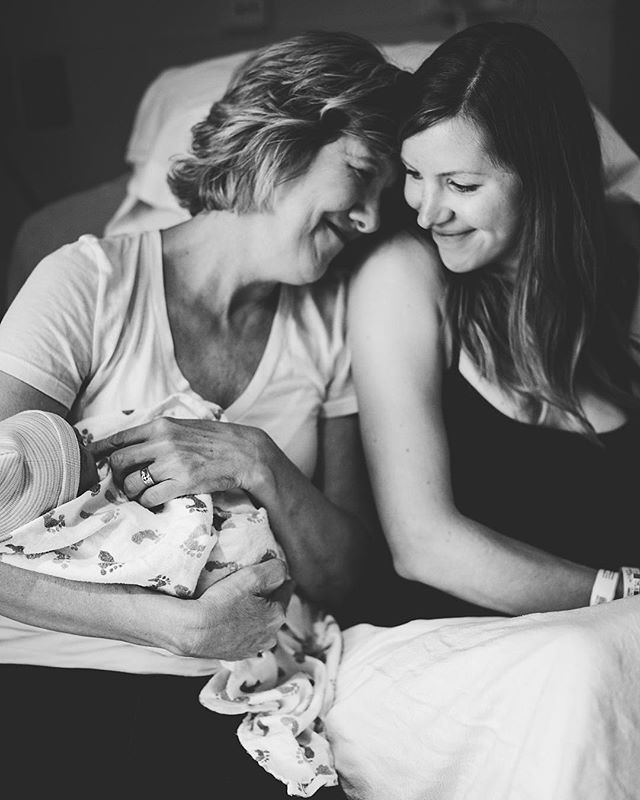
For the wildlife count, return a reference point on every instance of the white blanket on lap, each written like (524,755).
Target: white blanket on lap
(540,707)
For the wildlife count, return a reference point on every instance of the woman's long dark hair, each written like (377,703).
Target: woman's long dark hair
(563,321)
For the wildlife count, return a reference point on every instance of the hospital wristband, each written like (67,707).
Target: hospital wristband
(630,581)
(604,586)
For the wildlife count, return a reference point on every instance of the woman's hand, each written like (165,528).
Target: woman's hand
(320,525)
(237,616)
(183,457)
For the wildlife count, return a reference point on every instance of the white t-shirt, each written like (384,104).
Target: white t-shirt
(90,329)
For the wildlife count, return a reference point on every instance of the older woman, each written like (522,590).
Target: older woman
(287,169)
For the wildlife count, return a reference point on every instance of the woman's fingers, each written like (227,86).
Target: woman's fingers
(116,441)
(131,453)
(136,480)
(273,582)
(283,593)
(242,614)
(269,575)
(162,492)
(182,457)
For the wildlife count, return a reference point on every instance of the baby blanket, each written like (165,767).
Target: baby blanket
(181,548)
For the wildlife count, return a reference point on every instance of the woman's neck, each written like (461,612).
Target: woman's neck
(209,264)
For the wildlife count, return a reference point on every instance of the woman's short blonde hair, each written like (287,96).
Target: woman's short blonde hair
(281,106)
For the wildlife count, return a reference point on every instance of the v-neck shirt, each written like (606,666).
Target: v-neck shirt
(90,328)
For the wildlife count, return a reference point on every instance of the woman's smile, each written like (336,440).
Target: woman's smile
(316,214)
(451,237)
(470,205)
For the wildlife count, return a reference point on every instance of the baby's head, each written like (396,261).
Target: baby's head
(43,464)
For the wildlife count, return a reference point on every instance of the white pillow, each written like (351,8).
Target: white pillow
(173,103)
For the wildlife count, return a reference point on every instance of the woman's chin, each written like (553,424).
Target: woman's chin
(459,267)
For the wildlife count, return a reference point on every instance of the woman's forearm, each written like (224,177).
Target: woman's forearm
(111,611)
(481,566)
(326,546)
(234,618)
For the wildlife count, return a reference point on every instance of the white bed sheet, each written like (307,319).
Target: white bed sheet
(539,707)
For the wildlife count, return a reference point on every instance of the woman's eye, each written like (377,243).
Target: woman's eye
(463,187)
(412,173)
(364,176)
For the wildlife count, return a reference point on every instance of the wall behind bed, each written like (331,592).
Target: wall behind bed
(73,71)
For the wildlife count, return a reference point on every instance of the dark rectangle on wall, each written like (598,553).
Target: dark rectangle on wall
(7,96)
(45,92)
(625,113)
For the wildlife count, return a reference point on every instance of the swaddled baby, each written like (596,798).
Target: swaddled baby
(67,515)
(62,514)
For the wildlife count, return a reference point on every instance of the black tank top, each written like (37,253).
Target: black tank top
(552,488)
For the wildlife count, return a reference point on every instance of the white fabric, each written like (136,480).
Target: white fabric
(286,694)
(93,315)
(540,706)
(176,100)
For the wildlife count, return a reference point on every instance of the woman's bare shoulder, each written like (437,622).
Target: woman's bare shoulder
(404,262)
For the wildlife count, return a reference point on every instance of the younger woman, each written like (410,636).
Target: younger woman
(494,352)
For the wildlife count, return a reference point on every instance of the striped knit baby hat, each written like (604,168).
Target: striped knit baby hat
(39,466)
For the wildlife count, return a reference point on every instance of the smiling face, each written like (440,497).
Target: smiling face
(314,215)
(470,205)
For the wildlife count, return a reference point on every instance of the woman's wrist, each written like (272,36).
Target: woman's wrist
(261,481)
(151,619)
(178,625)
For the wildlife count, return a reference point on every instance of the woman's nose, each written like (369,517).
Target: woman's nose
(366,214)
(432,211)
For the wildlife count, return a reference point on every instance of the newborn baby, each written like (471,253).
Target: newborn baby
(69,518)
